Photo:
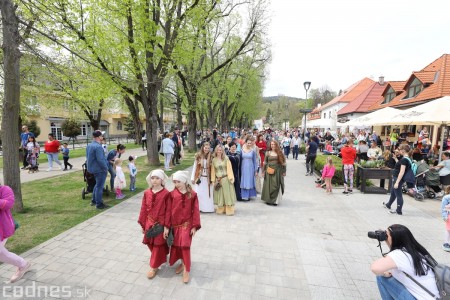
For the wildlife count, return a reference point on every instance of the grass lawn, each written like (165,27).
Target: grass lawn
(79,152)
(54,205)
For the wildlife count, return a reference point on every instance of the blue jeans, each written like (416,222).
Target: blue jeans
(97,194)
(53,157)
(113,176)
(390,289)
(286,151)
(396,193)
(295,152)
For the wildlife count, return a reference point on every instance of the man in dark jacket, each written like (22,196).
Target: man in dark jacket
(97,165)
(177,141)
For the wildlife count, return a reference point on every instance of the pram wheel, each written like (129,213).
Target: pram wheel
(418,196)
(431,194)
(404,189)
(83,194)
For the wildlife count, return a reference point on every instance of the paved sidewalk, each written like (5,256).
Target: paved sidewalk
(76,162)
(311,246)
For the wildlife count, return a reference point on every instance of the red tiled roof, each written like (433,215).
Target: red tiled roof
(436,80)
(365,100)
(351,93)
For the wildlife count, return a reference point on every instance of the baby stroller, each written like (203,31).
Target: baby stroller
(90,183)
(32,160)
(421,190)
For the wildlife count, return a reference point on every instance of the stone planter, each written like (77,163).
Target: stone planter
(371,173)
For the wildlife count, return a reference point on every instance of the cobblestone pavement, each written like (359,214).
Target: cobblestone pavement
(311,246)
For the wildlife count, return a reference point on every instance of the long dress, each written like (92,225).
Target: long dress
(155,208)
(235,159)
(224,197)
(249,166)
(185,215)
(262,145)
(273,186)
(204,189)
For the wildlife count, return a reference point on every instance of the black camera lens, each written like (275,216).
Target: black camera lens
(379,235)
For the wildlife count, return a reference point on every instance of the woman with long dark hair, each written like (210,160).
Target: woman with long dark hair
(403,267)
(274,172)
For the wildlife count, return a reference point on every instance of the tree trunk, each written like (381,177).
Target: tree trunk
(152,123)
(192,126)
(161,116)
(11,101)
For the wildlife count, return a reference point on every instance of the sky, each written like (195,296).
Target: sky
(336,43)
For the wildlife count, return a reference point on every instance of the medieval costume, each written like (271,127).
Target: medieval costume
(235,159)
(273,186)
(201,177)
(223,179)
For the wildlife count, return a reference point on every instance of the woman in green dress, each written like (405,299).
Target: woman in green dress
(274,172)
(222,177)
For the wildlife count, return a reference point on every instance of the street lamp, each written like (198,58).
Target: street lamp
(306,85)
(285,117)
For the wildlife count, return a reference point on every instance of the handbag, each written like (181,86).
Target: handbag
(217,186)
(16,224)
(270,171)
(154,231)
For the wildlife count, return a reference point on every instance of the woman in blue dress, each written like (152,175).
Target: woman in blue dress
(249,169)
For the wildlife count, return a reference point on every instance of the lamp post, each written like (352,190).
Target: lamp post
(285,117)
(306,85)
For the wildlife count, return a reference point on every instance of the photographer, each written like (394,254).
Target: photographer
(404,267)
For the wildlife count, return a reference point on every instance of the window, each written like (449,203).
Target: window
(84,129)
(414,88)
(389,96)
(324,115)
(329,115)
(55,128)
(119,125)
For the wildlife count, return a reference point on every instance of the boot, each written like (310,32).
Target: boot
(229,210)
(220,210)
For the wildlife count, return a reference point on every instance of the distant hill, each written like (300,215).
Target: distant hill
(277,98)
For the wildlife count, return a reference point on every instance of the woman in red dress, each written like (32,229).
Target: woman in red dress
(156,209)
(185,221)
(262,147)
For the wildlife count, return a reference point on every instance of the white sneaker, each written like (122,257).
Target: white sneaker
(49,169)
(440,194)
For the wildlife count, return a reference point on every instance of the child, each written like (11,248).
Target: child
(119,180)
(328,148)
(65,152)
(33,155)
(445,210)
(155,208)
(327,174)
(133,172)
(185,221)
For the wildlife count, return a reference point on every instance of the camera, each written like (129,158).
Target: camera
(198,181)
(379,235)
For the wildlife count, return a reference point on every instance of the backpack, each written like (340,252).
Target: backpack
(442,277)
(413,165)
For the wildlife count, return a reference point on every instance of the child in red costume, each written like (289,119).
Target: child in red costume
(185,221)
(156,209)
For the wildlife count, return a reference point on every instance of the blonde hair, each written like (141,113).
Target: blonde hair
(447,189)
(224,156)
(330,161)
(117,162)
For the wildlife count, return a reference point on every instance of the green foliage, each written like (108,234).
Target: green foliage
(34,128)
(372,164)
(129,127)
(71,128)
(321,161)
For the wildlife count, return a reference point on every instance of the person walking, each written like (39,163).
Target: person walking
(222,177)
(184,221)
(65,152)
(7,229)
(295,144)
(119,180)
(155,209)
(401,167)
(24,139)
(262,147)
(176,138)
(52,147)
(274,173)
(311,154)
(133,172)
(201,178)
(348,154)
(249,170)
(144,140)
(98,166)
(235,159)
(168,149)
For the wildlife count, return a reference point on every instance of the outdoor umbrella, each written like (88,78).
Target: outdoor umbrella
(435,112)
(379,117)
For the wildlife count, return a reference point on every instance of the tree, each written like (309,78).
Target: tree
(34,128)
(71,128)
(11,101)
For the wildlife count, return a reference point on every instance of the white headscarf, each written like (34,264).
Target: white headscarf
(182,176)
(158,173)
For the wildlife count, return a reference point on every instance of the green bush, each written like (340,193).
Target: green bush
(321,160)
(302,150)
